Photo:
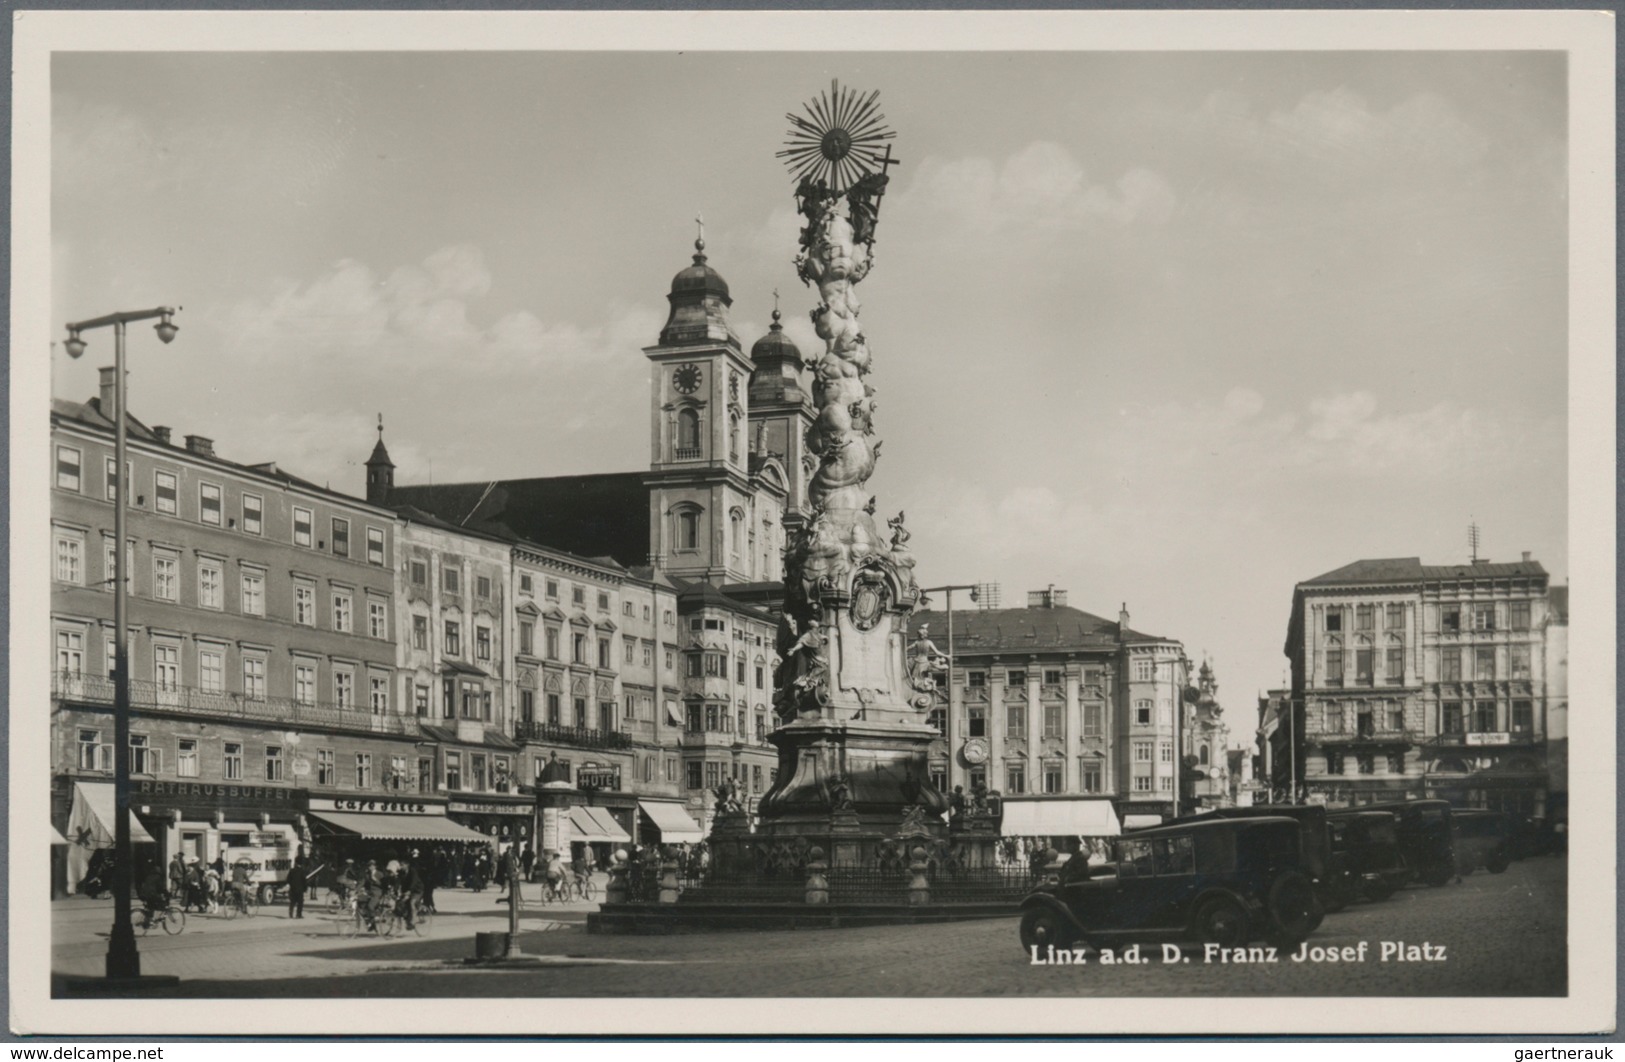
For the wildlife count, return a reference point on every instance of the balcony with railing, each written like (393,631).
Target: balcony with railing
(577,736)
(284,712)
(685,453)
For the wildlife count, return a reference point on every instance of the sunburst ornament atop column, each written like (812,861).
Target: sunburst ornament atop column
(840,140)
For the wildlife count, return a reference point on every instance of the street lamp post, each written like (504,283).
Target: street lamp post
(948,593)
(123,960)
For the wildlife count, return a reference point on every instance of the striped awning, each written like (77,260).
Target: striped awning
(676,825)
(596,824)
(398,827)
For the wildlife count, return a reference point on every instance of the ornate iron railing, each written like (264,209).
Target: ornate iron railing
(285,712)
(579,736)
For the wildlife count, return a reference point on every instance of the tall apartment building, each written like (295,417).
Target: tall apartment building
(262,659)
(1411,679)
(1052,700)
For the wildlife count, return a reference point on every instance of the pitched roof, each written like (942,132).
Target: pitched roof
(991,630)
(1411,569)
(90,414)
(584,515)
(701,594)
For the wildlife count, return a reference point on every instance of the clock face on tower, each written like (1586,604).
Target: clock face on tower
(686,379)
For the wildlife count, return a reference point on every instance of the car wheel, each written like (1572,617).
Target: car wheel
(1378,889)
(1041,927)
(1293,910)
(265,895)
(1222,921)
(1497,862)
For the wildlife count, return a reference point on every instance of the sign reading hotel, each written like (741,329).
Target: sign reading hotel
(598,776)
(1489,739)
(374,807)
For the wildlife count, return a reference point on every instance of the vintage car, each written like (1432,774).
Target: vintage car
(1427,836)
(1366,860)
(1316,843)
(1483,839)
(1220,881)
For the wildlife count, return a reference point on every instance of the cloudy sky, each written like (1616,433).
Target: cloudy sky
(1172,329)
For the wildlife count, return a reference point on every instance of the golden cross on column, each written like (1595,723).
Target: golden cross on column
(699,219)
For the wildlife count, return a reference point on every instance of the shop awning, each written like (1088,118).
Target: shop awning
(399,827)
(676,826)
(90,819)
(1059,818)
(596,824)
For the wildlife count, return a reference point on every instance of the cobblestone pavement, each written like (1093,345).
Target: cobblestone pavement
(1499,935)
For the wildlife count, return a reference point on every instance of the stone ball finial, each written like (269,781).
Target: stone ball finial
(918,853)
(815,854)
(620,855)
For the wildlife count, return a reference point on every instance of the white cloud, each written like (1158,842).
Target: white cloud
(1042,185)
(421,316)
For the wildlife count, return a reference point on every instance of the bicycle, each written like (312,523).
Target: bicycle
(584,887)
(240,901)
(422,915)
(170,916)
(382,919)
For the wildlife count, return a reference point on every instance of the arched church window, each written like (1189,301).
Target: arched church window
(736,520)
(688,429)
(737,436)
(1201,754)
(688,529)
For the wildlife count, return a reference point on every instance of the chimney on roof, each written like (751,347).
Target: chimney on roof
(1050,598)
(1122,623)
(105,398)
(162,433)
(199,444)
(1526,556)
(1479,562)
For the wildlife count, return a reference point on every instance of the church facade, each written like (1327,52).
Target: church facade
(705,523)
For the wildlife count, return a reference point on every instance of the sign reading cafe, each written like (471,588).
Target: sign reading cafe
(386,807)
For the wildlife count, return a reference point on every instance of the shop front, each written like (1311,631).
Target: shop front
(89,840)
(667,822)
(502,819)
(205,821)
(362,829)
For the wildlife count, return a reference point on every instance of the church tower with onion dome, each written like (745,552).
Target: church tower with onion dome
(781,413)
(712,499)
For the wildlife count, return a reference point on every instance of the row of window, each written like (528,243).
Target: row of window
(1054,719)
(1364,762)
(1364,659)
(210,505)
(1452,618)
(168,673)
(1453,661)
(1056,678)
(719,719)
(580,644)
(749,777)
(577,715)
(1484,717)
(451,578)
(1052,777)
(147,758)
(715,665)
(1368,717)
(210,591)
(452,640)
(578,596)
